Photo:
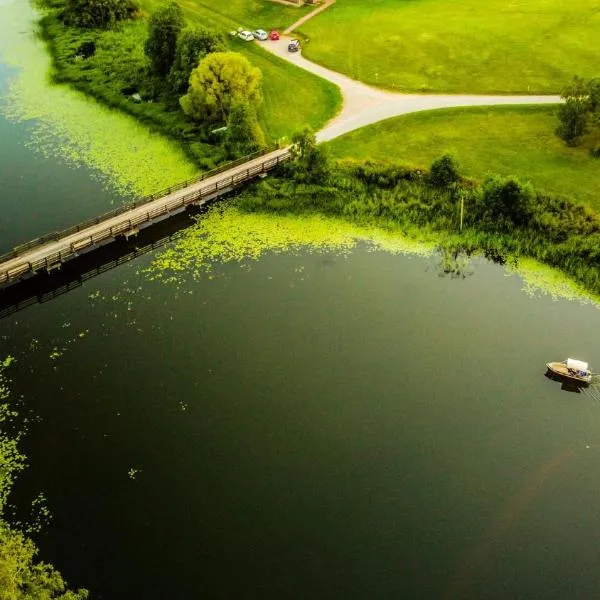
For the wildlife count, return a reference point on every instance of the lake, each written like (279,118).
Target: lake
(316,423)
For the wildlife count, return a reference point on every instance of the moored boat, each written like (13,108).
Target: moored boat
(572,370)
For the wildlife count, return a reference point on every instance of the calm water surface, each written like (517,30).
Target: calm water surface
(317,426)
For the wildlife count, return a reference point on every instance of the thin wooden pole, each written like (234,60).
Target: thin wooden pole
(462,210)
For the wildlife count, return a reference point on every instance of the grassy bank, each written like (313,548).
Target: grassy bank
(508,140)
(464,46)
(503,219)
(293,98)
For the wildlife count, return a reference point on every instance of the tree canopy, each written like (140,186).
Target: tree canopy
(221,80)
(98,13)
(163,30)
(580,109)
(310,163)
(244,134)
(193,44)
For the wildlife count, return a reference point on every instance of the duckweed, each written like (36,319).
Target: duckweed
(123,153)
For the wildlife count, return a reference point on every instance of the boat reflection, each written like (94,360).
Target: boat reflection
(566,386)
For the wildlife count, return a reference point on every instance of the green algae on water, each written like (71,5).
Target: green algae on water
(79,130)
(226,234)
(539,279)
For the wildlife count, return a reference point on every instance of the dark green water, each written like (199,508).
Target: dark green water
(39,194)
(315,427)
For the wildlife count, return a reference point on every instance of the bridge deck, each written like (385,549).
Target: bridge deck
(52,253)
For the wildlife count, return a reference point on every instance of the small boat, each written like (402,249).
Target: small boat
(572,370)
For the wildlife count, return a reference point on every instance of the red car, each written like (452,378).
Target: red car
(274,35)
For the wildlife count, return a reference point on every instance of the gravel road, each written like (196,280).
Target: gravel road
(363,104)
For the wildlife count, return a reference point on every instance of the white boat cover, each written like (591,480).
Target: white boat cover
(579,365)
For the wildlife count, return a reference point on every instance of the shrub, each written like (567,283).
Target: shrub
(98,13)
(444,171)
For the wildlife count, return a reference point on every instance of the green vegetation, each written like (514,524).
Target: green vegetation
(142,69)
(98,13)
(67,125)
(21,577)
(292,97)
(193,44)
(229,15)
(164,27)
(507,140)
(465,46)
(502,217)
(580,111)
(221,80)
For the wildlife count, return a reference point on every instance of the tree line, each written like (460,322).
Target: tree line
(189,68)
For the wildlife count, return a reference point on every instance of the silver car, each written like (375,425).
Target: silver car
(260,34)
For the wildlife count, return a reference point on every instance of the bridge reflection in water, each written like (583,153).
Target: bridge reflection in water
(43,286)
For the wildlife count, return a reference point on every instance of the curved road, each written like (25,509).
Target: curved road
(363,104)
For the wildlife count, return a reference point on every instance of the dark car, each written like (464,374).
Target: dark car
(294,46)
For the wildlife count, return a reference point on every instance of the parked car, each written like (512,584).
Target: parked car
(274,35)
(260,34)
(245,35)
(294,46)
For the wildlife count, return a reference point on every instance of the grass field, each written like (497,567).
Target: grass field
(509,140)
(471,46)
(293,98)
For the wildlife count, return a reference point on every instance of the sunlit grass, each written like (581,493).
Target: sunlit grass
(505,140)
(470,46)
(293,97)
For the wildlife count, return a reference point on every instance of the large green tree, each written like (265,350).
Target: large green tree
(98,13)
(220,80)
(163,30)
(193,44)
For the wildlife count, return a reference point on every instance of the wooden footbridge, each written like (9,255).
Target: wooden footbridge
(51,251)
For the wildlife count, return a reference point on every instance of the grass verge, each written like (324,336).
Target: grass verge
(508,140)
(466,46)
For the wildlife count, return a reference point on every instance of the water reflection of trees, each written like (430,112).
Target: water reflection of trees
(456,262)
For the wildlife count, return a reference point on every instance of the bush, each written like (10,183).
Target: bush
(444,171)
(595,151)
(98,13)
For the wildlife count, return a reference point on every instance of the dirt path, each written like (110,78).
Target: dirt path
(364,105)
(310,15)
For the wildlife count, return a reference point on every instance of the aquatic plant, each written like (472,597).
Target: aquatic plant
(126,155)
(227,234)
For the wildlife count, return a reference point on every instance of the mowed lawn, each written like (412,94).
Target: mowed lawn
(293,98)
(470,46)
(508,140)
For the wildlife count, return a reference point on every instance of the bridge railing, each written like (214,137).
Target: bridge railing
(56,235)
(50,261)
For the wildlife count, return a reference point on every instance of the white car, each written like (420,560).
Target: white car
(260,34)
(246,36)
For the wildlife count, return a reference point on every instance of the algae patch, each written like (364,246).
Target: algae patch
(226,234)
(67,124)
(540,279)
